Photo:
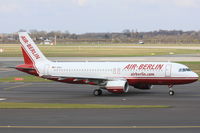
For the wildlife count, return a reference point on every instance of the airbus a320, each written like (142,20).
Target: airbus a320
(115,77)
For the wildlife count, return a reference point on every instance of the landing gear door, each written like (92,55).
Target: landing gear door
(168,70)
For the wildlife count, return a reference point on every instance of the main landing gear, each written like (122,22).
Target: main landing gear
(171,92)
(97,92)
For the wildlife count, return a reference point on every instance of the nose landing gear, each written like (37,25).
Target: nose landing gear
(171,92)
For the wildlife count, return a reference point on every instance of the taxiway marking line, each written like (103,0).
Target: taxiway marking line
(101,127)
(17,86)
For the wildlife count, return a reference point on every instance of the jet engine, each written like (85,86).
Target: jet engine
(143,86)
(117,86)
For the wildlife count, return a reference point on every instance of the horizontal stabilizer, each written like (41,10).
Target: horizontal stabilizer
(22,68)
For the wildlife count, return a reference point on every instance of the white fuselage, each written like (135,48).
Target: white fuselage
(122,70)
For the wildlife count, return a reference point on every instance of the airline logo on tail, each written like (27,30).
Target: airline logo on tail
(30,47)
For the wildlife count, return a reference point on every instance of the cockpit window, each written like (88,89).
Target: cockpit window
(184,70)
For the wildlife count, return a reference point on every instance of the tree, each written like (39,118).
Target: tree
(127,32)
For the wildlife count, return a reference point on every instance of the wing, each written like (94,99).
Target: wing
(96,80)
(81,78)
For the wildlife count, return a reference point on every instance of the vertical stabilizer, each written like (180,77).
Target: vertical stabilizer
(30,51)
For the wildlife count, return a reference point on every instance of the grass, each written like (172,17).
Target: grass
(61,51)
(108,44)
(6,105)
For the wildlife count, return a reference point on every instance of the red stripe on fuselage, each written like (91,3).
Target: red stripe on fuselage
(134,81)
(162,80)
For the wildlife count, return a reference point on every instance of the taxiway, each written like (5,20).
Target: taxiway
(183,116)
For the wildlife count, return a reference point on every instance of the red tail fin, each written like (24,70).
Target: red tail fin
(27,59)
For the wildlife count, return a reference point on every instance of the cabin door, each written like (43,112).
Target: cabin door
(168,70)
(116,70)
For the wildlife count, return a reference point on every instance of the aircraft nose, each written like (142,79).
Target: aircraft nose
(196,76)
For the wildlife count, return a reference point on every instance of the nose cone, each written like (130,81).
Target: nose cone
(195,76)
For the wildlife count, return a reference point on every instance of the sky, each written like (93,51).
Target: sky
(83,16)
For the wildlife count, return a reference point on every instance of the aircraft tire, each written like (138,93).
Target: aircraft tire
(171,93)
(97,92)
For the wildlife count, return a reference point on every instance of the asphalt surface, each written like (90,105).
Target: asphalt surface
(182,117)
(185,110)
(5,71)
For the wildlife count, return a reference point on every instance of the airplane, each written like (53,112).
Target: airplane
(115,77)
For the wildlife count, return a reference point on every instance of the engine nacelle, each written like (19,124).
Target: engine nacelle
(143,86)
(117,86)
